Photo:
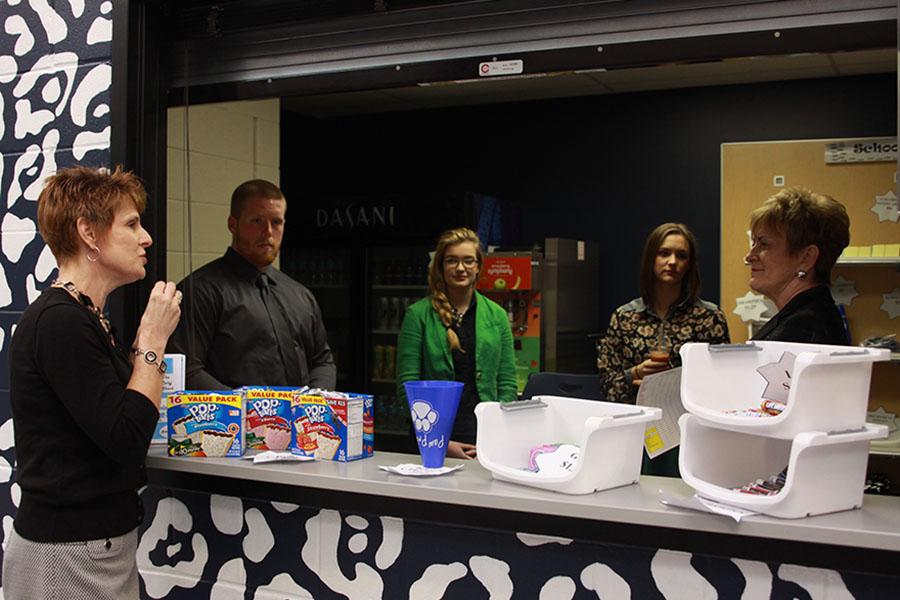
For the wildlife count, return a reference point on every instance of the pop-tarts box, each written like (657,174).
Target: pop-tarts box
(333,425)
(268,416)
(205,423)
(173,381)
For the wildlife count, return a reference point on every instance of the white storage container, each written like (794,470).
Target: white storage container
(829,386)
(826,471)
(610,436)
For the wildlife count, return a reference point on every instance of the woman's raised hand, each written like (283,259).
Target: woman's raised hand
(160,317)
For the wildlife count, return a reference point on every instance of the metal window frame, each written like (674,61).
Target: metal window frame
(138,141)
(446,42)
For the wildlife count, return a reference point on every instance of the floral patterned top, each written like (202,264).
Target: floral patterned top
(633,330)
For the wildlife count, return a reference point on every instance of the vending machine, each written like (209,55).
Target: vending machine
(551,295)
(512,280)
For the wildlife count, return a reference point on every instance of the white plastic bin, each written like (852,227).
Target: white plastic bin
(610,436)
(826,471)
(829,386)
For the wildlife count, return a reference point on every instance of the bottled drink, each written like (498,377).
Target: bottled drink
(396,273)
(396,315)
(390,364)
(377,271)
(422,274)
(378,362)
(383,317)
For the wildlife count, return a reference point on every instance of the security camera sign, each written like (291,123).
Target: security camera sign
(497,68)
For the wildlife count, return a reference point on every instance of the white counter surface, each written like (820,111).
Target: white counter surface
(876,525)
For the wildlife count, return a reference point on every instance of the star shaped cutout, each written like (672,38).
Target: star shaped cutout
(754,307)
(843,291)
(886,207)
(778,377)
(891,304)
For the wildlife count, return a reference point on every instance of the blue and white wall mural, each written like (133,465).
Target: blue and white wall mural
(55,77)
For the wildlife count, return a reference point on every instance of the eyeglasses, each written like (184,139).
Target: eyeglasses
(452,262)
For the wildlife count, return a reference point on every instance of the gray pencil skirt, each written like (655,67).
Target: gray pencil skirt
(103,569)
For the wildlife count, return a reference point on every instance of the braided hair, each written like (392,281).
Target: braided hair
(436,284)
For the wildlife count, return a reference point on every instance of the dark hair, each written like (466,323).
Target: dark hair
(436,284)
(690,284)
(84,192)
(806,218)
(250,190)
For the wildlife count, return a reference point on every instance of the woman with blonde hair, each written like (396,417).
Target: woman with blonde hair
(457,334)
(797,236)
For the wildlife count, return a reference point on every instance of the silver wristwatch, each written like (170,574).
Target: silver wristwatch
(151,358)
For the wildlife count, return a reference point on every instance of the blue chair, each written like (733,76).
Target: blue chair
(570,385)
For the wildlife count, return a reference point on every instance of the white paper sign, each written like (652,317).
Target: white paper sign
(852,151)
(662,390)
(886,207)
(882,417)
(891,304)
(843,291)
(778,378)
(754,307)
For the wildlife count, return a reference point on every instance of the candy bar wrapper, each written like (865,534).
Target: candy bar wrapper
(333,425)
(205,423)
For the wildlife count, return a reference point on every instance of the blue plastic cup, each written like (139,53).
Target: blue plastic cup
(432,406)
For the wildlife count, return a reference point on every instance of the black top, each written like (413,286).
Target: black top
(81,436)
(465,427)
(240,328)
(810,317)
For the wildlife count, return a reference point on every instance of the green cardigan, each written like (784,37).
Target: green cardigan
(423,351)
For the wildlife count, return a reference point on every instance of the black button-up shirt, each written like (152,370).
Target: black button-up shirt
(234,333)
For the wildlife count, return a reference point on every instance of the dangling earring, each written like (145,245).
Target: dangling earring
(96,256)
(801,274)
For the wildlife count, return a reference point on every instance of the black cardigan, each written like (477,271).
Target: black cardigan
(810,317)
(81,436)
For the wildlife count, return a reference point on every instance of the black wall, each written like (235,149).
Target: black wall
(608,168)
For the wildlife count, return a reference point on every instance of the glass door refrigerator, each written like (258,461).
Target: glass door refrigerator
(366,260)
(397,277)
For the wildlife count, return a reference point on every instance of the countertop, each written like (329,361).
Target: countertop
(875,526)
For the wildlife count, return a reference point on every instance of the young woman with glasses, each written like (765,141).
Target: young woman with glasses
(457,334)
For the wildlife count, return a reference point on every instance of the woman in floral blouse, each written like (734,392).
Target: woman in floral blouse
(670,288)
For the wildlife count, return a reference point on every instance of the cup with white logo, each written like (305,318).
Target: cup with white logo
(432,406)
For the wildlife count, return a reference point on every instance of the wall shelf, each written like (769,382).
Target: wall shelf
(869,260)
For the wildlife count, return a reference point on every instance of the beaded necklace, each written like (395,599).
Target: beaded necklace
(85,301)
